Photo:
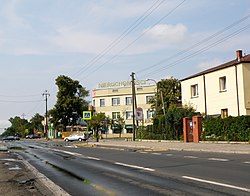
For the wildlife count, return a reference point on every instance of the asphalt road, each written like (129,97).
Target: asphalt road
(108,171)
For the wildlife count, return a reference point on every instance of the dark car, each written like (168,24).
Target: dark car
(10,138)
(33,136)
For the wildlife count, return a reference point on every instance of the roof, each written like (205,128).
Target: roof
(244,59)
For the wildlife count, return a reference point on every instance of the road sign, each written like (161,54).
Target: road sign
(87,115)
(139,114)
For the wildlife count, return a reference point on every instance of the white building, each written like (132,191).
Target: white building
(115,100)
(223,90)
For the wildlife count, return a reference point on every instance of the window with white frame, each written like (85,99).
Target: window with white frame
(115,101)
(194,90)
(115,115)
(150,114)
(149,99)
(102,102)
(223,83)
(128,100)
(129,115)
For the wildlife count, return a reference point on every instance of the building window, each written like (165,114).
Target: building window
(115,101)
(150,114)
(224,113)
(115,90)
(102,102)
(139,89)
(149,99)
(128,100)
(194,90)
(94,102)
(115,115)
(223,84)
(129,115)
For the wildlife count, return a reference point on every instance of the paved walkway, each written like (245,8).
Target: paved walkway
(222,147)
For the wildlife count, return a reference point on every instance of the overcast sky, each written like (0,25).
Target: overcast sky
(99,41)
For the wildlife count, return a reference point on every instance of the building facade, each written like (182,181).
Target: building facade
(115,100)
(223,90)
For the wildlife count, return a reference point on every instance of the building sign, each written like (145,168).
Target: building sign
(139,114)
(121,84)
(87,115)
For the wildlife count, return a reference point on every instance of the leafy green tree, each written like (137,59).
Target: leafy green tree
(18,126)
(36,123)
(168,94)
(70,100)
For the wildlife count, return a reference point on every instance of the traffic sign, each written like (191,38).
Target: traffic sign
(87,115)
(139,113)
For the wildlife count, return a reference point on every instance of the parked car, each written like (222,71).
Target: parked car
(9,138)
(76,137)
(33,136)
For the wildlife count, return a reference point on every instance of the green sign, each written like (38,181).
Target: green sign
(87,115)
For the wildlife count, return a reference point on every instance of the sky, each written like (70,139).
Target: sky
(99,41)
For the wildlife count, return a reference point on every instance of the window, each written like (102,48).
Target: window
(139,89)
(194,90)
(223,83)
(115,90)
(129,115)
(102,102)
(224,113)
(115,115)
(94,102)
(149,99)
(150,114)
(115,101)
(128,100)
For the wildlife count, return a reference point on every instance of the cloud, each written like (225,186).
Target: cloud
(167,33)
(209,64)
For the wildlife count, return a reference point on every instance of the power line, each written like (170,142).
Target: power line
(201,50)
(131,43)
(196,44)
(114,43)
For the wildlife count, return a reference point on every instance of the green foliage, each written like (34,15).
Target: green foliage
(36,123)
(168,94)
(228,129)
(70,100)
(18,126)
(170,126)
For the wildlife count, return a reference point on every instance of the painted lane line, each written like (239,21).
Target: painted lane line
(217,159)
(190,157)
(144,152)
(247,162)
(156,153)
(217,183)
(93,158)
(134,166)
(169,155)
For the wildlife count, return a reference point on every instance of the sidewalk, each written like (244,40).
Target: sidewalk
(152,145)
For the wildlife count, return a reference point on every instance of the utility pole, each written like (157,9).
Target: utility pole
(46,95)
(23,115)
(133,103)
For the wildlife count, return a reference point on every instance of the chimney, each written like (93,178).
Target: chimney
(238,54)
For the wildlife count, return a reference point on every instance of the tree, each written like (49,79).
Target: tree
(168,94)
(70,100)
(36,123)
(18,126)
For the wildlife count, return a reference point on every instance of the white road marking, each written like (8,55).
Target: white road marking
(169,155)
(217,183)
(156,153)
(144,152)
(217,159)
(190,157)
(134,166)
(93,158)
(247,162)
